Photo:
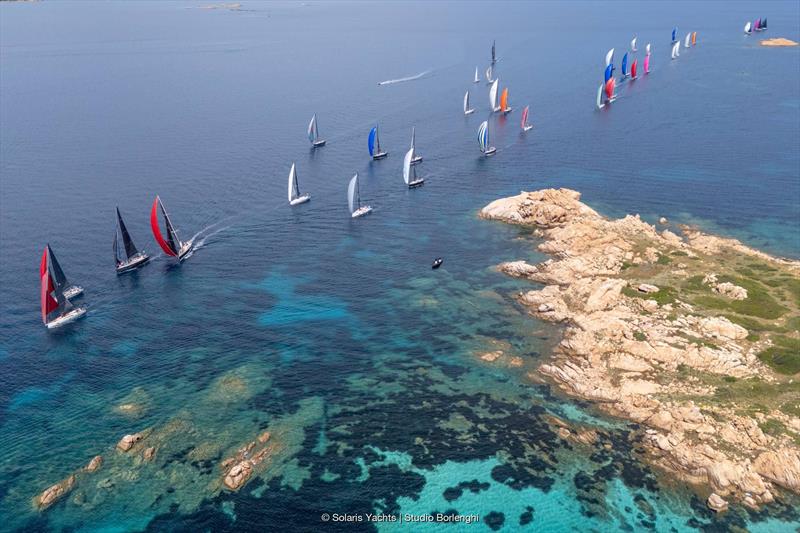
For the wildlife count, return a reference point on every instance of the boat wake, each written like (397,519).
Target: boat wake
(401,80)
(201,237)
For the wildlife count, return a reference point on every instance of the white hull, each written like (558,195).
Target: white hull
(379,155)
(469,111)
(300,199)
(185,249)
(72,316)
(416,183)
(527,128)
(133,263)
(73,291)
(496,109)
(508,110)
(361,211)
(490,151)
(318,143)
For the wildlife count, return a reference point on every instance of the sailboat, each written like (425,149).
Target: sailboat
(748,28)
(504,102)
(674,34)
(633,44)
(415,157)
(757,25)
(60,279)
(493,96)
(600,102)
(354,199)
(764,24)
(172,246)
(295,198)
(688,38)
(676,50)
(133,258)
(647,60)
(374,144)
(633,69)
(410,171)
(467,109)
(489,73)
(483,139)
(313,133)
(477,78)
(524,123)
(56,307)
(694,38)
(609,89)
(625,65)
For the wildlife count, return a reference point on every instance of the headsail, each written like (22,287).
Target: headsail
(312,129)
(477,78)
(466,101)
(483,135)
(504,100)
(609,57)
(373,133)
(294,190)
(493,94)
(407,168)
(167,245)
(647,49)
(130,248)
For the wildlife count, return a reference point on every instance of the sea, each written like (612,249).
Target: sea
(334,334)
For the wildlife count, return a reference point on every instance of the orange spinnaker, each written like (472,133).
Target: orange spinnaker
(504,99)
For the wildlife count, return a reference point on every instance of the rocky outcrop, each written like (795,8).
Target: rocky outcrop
(625,341)
(238,469)
(128,441)
(94,464)
(716,503)
(54,493)
(778,41)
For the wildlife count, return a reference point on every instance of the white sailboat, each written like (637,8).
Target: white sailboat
(477,78)
(416,158)
(600,103)
(57,310)
(467,110)
(313,133)
(489,73)
(410,171)
(686,43)
(633,45)
(493,96)
(354,199)
(483,139)
(748,27)
(676,50)
(295,198)
(374,144)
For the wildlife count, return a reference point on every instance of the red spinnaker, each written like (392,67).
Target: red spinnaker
(157,231)
(49,304)
(633,69)
(610,88)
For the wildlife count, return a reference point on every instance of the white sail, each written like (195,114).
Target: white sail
(747,27)
(477,78)
(647,48)
(466,102)
(489,73)
(293,190)
(407,168)
(352,201)
(609,57)
(686,42)
(483,135)
(413,141)
(676,49)
(313,134)
(493,94)
(600,103)
(633,44)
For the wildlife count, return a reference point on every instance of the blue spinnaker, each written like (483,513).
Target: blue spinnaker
(625,64)
(371,141)
(609,72)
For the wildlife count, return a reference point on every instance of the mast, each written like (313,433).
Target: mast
(377,141)
(494,59)
(358,193)
(114,246)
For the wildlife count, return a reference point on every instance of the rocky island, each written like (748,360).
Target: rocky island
(778,41)
(692,336)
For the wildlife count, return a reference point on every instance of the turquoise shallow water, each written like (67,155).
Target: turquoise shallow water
(335,335)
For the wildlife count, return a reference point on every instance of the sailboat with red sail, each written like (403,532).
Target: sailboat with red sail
(524,124)
(172,245)
(56,308)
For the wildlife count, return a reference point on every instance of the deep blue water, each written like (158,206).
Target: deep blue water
(340,339)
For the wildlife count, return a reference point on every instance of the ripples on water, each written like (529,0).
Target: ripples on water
(335,334)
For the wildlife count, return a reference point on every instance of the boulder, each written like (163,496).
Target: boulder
(647,288)
(730,290)
(716,503)
(663,221)
(238,475)
(718,327)
(264,437)
(94,464)
(149,453)
(54,493)
(127,442)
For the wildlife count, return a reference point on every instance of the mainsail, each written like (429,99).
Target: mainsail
(313,132)
(353,197)
(647,64)
(688,38)
(294,190)
(524,122)
(747,27)
(676,50)
(609,57)
(466,101)
(130,248)
(409,172)
(600,103)
(633,44)
(477,78)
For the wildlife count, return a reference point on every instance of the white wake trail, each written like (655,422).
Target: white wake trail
(401,80)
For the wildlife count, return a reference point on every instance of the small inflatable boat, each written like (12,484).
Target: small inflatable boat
(437,263)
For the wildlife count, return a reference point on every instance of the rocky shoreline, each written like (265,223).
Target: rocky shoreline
(692,336)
